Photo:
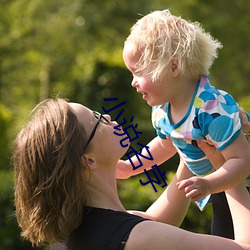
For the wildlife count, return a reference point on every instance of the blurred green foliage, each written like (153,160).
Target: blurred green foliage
(72,48)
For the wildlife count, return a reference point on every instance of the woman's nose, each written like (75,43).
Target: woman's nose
(108,117)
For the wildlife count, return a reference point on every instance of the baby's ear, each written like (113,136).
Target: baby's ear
(175,66)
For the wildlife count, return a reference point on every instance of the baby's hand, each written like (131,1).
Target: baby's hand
(194,187)
(123,170)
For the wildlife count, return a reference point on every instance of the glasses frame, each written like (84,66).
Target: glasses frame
(100,118)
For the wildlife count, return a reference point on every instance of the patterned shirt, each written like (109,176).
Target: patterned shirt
(213,115)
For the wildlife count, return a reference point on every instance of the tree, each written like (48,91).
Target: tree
(72,48)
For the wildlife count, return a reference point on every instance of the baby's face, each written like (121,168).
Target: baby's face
(154,93)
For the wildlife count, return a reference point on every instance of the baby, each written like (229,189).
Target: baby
(170,59)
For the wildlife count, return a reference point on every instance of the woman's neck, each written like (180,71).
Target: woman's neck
(102,189)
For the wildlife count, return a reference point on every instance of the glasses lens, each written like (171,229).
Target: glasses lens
(100,117)
(97,115)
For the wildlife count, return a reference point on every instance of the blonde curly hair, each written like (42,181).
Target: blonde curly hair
(161,36)
(49,181)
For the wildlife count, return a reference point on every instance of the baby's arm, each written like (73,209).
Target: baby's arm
(161,150)
(234,171)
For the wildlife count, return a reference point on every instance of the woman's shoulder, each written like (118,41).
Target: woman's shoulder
(102,228)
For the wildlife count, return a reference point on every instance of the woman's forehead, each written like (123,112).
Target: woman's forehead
(78,108)
(83,114)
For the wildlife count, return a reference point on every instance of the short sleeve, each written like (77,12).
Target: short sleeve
(219,120)
(162,136)
(159,121)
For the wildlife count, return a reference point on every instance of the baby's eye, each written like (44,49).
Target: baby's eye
(137,73)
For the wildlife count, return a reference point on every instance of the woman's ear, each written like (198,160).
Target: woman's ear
(90,161)
(175,66)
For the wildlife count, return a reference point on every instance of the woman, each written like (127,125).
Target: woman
(65,189)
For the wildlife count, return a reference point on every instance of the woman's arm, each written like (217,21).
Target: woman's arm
(239,203)
(160,236)
(171,207)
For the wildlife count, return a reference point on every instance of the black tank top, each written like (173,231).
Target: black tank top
(102,229)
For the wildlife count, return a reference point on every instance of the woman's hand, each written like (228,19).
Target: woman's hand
(245,124)
(123,169)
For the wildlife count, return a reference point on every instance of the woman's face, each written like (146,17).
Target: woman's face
(104,142)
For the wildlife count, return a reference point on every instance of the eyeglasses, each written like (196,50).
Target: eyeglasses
(100,118)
